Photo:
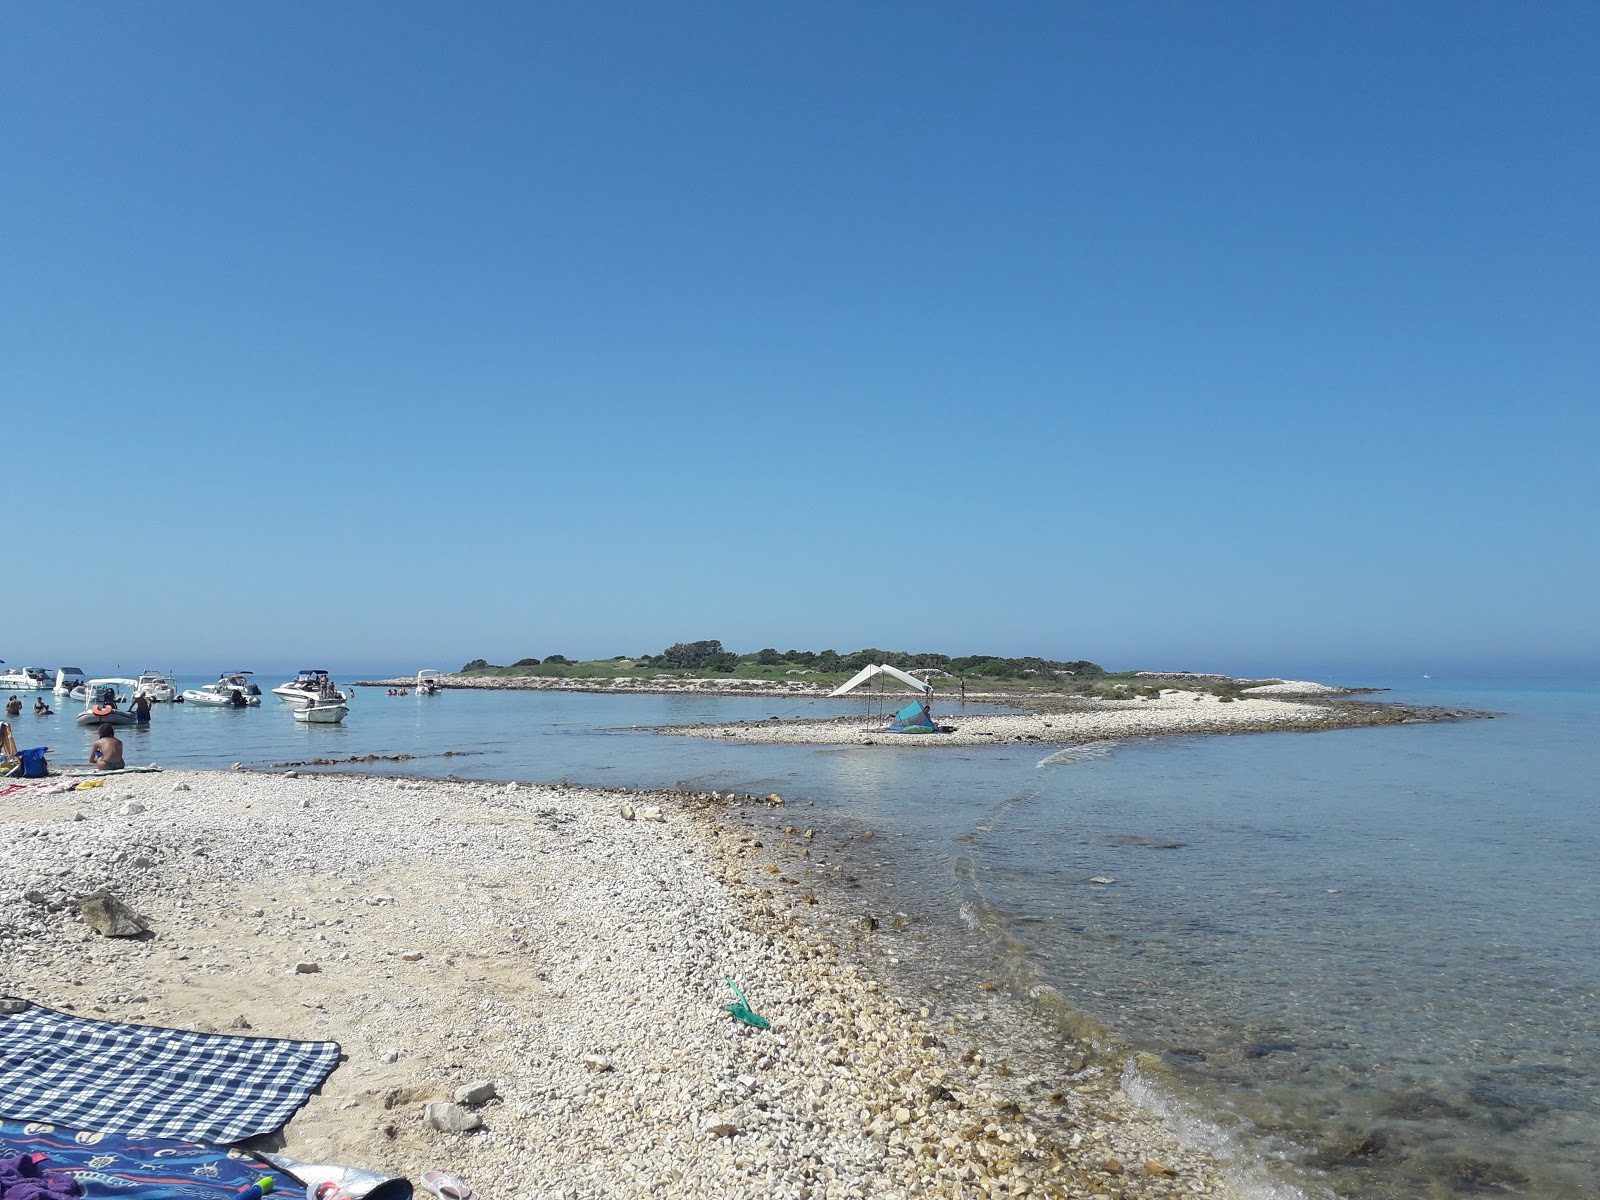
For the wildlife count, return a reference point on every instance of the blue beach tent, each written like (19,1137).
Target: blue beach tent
(913,718)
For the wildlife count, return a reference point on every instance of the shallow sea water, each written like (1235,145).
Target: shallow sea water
(1363,961)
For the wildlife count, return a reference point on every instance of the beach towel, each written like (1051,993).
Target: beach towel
(144,1081)
(109,1164)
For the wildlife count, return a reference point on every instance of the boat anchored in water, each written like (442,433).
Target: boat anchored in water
(242,681)
(229,691)
(428,682)
(322,712)
(69,682)
(26,679)
(311,684)
(102,699)
(155,687)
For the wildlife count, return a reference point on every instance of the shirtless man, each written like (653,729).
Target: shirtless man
(106,754)
(14,706)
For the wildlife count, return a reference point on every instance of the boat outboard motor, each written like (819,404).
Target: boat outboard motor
(236,698)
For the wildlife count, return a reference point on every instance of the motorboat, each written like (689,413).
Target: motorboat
(69,682)
(156,687)
(428,683)
(322,712)
(242,681)
(101,700)
(26,679)
(226,692)
(310,684)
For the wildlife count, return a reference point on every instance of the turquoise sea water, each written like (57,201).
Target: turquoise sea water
(1365,959)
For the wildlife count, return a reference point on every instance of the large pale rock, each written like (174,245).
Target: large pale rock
(450,1118)
(479,1091)
(110,917)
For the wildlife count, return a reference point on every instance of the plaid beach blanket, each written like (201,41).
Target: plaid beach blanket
(143,1081)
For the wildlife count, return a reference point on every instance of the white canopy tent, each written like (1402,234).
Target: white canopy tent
(870,672)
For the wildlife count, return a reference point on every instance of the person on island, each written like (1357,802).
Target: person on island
(141,708)
(106,754)
(41,709)
(14,706)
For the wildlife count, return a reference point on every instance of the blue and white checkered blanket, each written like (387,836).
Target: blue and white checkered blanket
(148,1082)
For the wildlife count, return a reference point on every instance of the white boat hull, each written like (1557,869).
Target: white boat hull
(321,714)
(209,699)
(302,699)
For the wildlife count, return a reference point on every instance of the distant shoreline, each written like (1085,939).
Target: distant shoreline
(660,685)
(1069,721)
(1043,717)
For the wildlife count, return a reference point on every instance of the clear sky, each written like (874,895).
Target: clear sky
(1230,336)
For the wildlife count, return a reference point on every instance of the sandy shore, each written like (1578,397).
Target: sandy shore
(1067,720)
(541,940)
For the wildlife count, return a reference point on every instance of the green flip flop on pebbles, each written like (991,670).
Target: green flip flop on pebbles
(741,1011)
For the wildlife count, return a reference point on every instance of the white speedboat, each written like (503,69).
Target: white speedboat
(26,679)
(155,687)
(310,684)
(224,693)
(102,701)
(428,683)
(242,681)
(69,682)
(322,712)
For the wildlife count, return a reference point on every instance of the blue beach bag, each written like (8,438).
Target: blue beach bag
(33,764)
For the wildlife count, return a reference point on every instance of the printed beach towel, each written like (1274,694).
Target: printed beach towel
(143,1081)
(108,1164)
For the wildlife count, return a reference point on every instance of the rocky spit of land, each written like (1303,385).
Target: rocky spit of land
(669,683)
(551,961)
(1067,719)
(664,685)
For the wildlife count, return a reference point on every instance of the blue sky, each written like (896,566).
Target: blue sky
(1226,337)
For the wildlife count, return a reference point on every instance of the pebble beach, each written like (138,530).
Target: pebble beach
(546,967)
(1065,720)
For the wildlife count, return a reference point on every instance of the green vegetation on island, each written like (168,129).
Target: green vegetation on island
(709,660)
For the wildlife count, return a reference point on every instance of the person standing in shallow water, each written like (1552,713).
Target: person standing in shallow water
(14,706)
(106,754)
(141,708)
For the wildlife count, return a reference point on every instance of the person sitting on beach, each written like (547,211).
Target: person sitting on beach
(14,706)
(106,754)
(41,709)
